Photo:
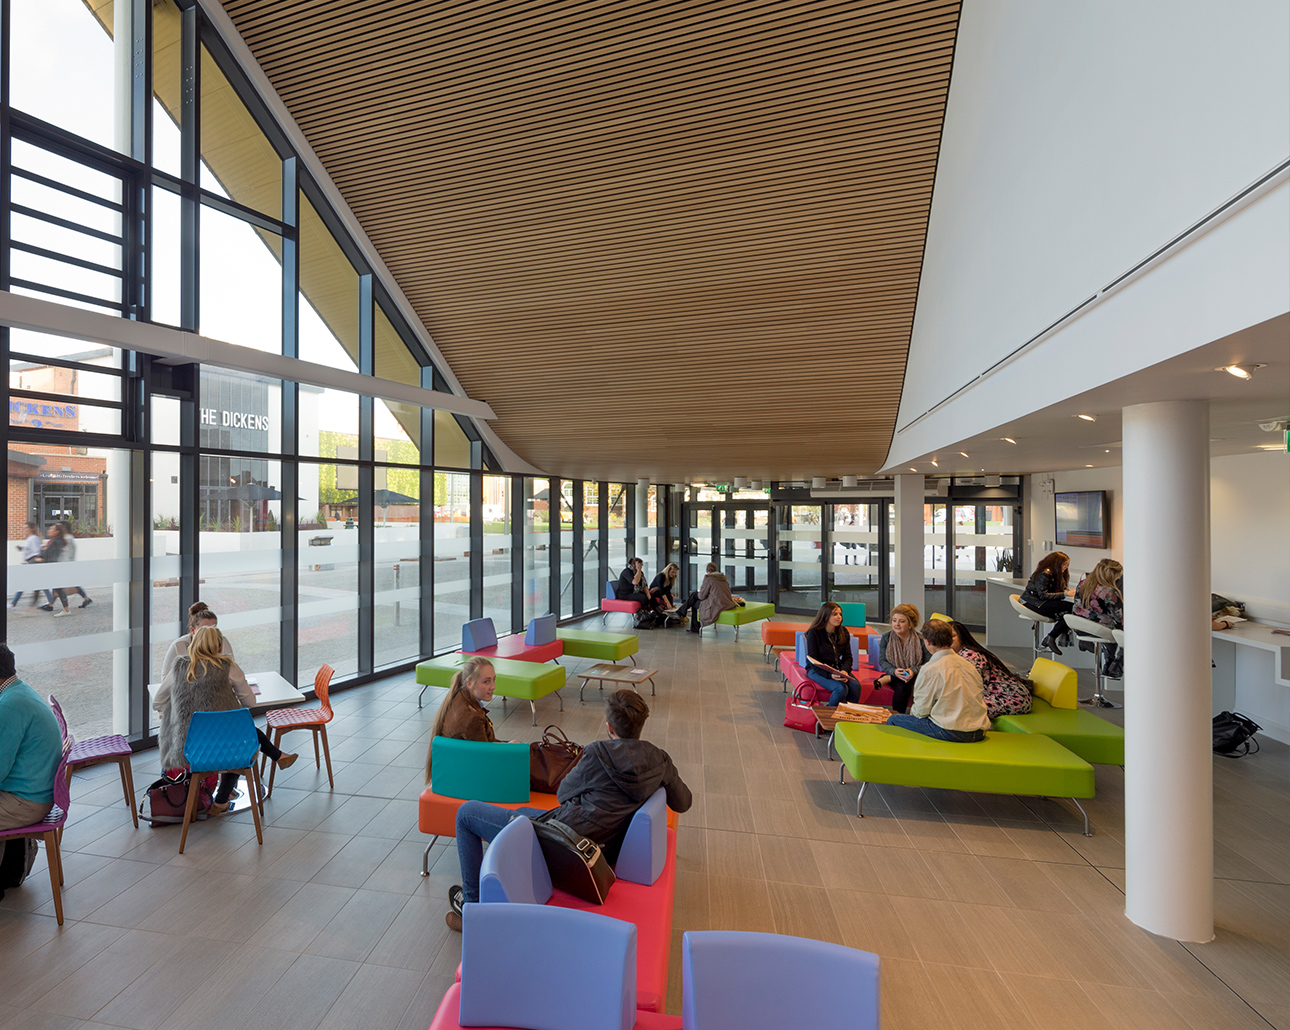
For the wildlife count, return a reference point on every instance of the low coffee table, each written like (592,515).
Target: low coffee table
(608,672)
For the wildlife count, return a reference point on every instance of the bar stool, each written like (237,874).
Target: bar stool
(1096,634)
(1036,619)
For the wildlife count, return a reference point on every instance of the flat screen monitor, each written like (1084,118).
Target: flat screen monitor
(1083,519)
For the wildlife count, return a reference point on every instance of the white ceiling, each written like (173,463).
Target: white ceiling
(1054,439)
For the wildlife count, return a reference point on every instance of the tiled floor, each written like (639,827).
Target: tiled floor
(987,911)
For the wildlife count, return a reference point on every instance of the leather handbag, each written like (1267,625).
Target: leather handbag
(798,713)
(576,865)
(550,760)
(1234,735)
(168,797)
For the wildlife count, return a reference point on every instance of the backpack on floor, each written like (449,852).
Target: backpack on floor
(1234,735)
(18,857)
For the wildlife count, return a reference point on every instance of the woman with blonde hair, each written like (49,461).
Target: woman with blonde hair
(660,589)
(462,715)
(199,614)
(205,680)
(1100,598)
(901,653)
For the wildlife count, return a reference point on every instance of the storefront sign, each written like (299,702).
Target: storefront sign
(70,477)
(38,414)
(235,419)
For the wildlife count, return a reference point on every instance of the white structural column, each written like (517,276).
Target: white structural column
(1169,773)
(910,541)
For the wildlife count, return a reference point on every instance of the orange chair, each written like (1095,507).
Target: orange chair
(284,720)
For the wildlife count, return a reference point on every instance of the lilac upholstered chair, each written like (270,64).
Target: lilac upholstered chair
(97,750)
(50,829)
(731,979)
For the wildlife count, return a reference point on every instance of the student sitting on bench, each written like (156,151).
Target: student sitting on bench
(949,701)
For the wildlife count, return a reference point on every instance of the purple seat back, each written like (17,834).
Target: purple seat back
(541,630)
(514,869)
(478,634)
(644,851)
(62,799)
(546,968)
(734,979)
(58,714)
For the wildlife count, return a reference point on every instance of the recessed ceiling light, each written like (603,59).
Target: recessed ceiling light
(934,464)
(965,454)
(1087,418)
(1108,450)
(912,469)
(1008,439)
(1240,371)
(1088,466)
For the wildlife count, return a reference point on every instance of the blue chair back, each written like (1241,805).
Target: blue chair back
(478,634)
(221,740)
(875,646)
(852,613)
(539,966)
(477,770)
(541,630)
(514,869)
(734,979)
(644,849)
(611,594)
(799,648)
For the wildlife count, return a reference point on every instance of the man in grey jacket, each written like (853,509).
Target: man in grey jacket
(598,797)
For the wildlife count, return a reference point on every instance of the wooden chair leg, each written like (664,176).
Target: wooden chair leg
(55,864)
(127,784)
(253,784)
(317,762)
(194,792)
(273,771)
(326,751)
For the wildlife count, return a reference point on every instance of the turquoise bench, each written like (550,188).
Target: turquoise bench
(603,647)
(1055,716)
(753,611)
(1003,763)
(527,681)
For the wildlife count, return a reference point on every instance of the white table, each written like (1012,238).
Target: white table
(1252,674)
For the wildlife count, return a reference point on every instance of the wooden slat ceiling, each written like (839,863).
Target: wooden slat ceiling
(675,240)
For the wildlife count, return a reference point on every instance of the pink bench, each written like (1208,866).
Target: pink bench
(539,644)
(610,603)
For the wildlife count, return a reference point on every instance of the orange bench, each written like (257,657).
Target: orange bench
(784,634)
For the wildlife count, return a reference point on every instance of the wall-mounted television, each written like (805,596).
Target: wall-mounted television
(1083,519)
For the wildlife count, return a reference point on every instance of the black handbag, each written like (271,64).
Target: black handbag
(1234,735)
(576,865)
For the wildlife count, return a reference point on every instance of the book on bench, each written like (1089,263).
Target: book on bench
(848,711)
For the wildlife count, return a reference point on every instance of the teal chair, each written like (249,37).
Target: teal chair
(220,742)
(852,613)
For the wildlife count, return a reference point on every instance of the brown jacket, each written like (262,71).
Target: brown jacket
(714,598)
(466,719)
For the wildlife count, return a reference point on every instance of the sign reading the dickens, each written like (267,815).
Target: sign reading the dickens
(38,414)
(235,419)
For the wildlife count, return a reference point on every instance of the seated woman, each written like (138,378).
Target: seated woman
(662,586)
(1006,693)
(199,614)
(901,653)
(948,701)
(1100,598)
(828,656)
(1045,595)
(462,715)
(711,599)
(204,680)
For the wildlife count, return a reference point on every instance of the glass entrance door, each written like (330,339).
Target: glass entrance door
(734,536)
(800,544)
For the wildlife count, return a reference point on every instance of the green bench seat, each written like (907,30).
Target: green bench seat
(1003,763)
(603,647)
(753,611)
(1094,740)
(527,681)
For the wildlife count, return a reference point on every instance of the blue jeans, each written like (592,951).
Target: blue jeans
(478,821)
(930,729)
(839,690)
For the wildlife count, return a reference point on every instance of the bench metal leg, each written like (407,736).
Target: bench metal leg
(425,856)
(736,634)
(560,699)
(423,690)
(860,800)
(828,748)
(1087,831)
(842,774)
(533,709)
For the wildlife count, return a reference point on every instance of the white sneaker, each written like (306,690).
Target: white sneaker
(12,606)
(59,615)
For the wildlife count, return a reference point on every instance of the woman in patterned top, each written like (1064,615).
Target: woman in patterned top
(1100,598)
(1006,693)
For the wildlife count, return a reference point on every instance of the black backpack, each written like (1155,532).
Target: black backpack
(1234,735)
(18,857)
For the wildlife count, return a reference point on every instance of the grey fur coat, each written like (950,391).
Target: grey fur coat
(210,692)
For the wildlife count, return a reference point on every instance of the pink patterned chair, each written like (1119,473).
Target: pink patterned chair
(50,829)
(96,750)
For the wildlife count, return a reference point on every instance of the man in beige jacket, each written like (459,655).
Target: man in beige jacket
(949,699)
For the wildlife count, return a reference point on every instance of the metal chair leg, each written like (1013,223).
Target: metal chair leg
(860,800)
(425,856)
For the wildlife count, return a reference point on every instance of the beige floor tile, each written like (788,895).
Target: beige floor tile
(804,911)
(1007,941)
(869,921)
(145,1003)
(414,937)
(1025,885)
(306,856)
(725,812)
(360,924)
(976,1000)
(788,860)
(965,878)
(425,1003)
(295,925)
(376,996)
(939,933)
(909,999)
(355,862)
(104,976)
(1129,1008)
(734,854)
(232,994)
(691,909)
(302,996)
(740,904)
(1057,1004)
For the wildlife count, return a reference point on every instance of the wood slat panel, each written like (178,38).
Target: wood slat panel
(678,240)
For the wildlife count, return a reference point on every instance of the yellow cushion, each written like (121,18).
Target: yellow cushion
(1055,683)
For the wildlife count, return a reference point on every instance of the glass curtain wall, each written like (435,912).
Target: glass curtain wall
(801,558)
(854,568)
(537,548)
(452,512)
(592,586)
(567,557)
(618,535)
(498,542)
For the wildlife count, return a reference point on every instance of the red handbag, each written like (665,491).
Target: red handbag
(799,713)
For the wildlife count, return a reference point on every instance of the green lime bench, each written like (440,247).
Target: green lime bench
(1054,715)
(526,681)
(753,611)
(603,647)
(1003,763)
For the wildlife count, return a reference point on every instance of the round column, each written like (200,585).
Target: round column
(1168,778)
